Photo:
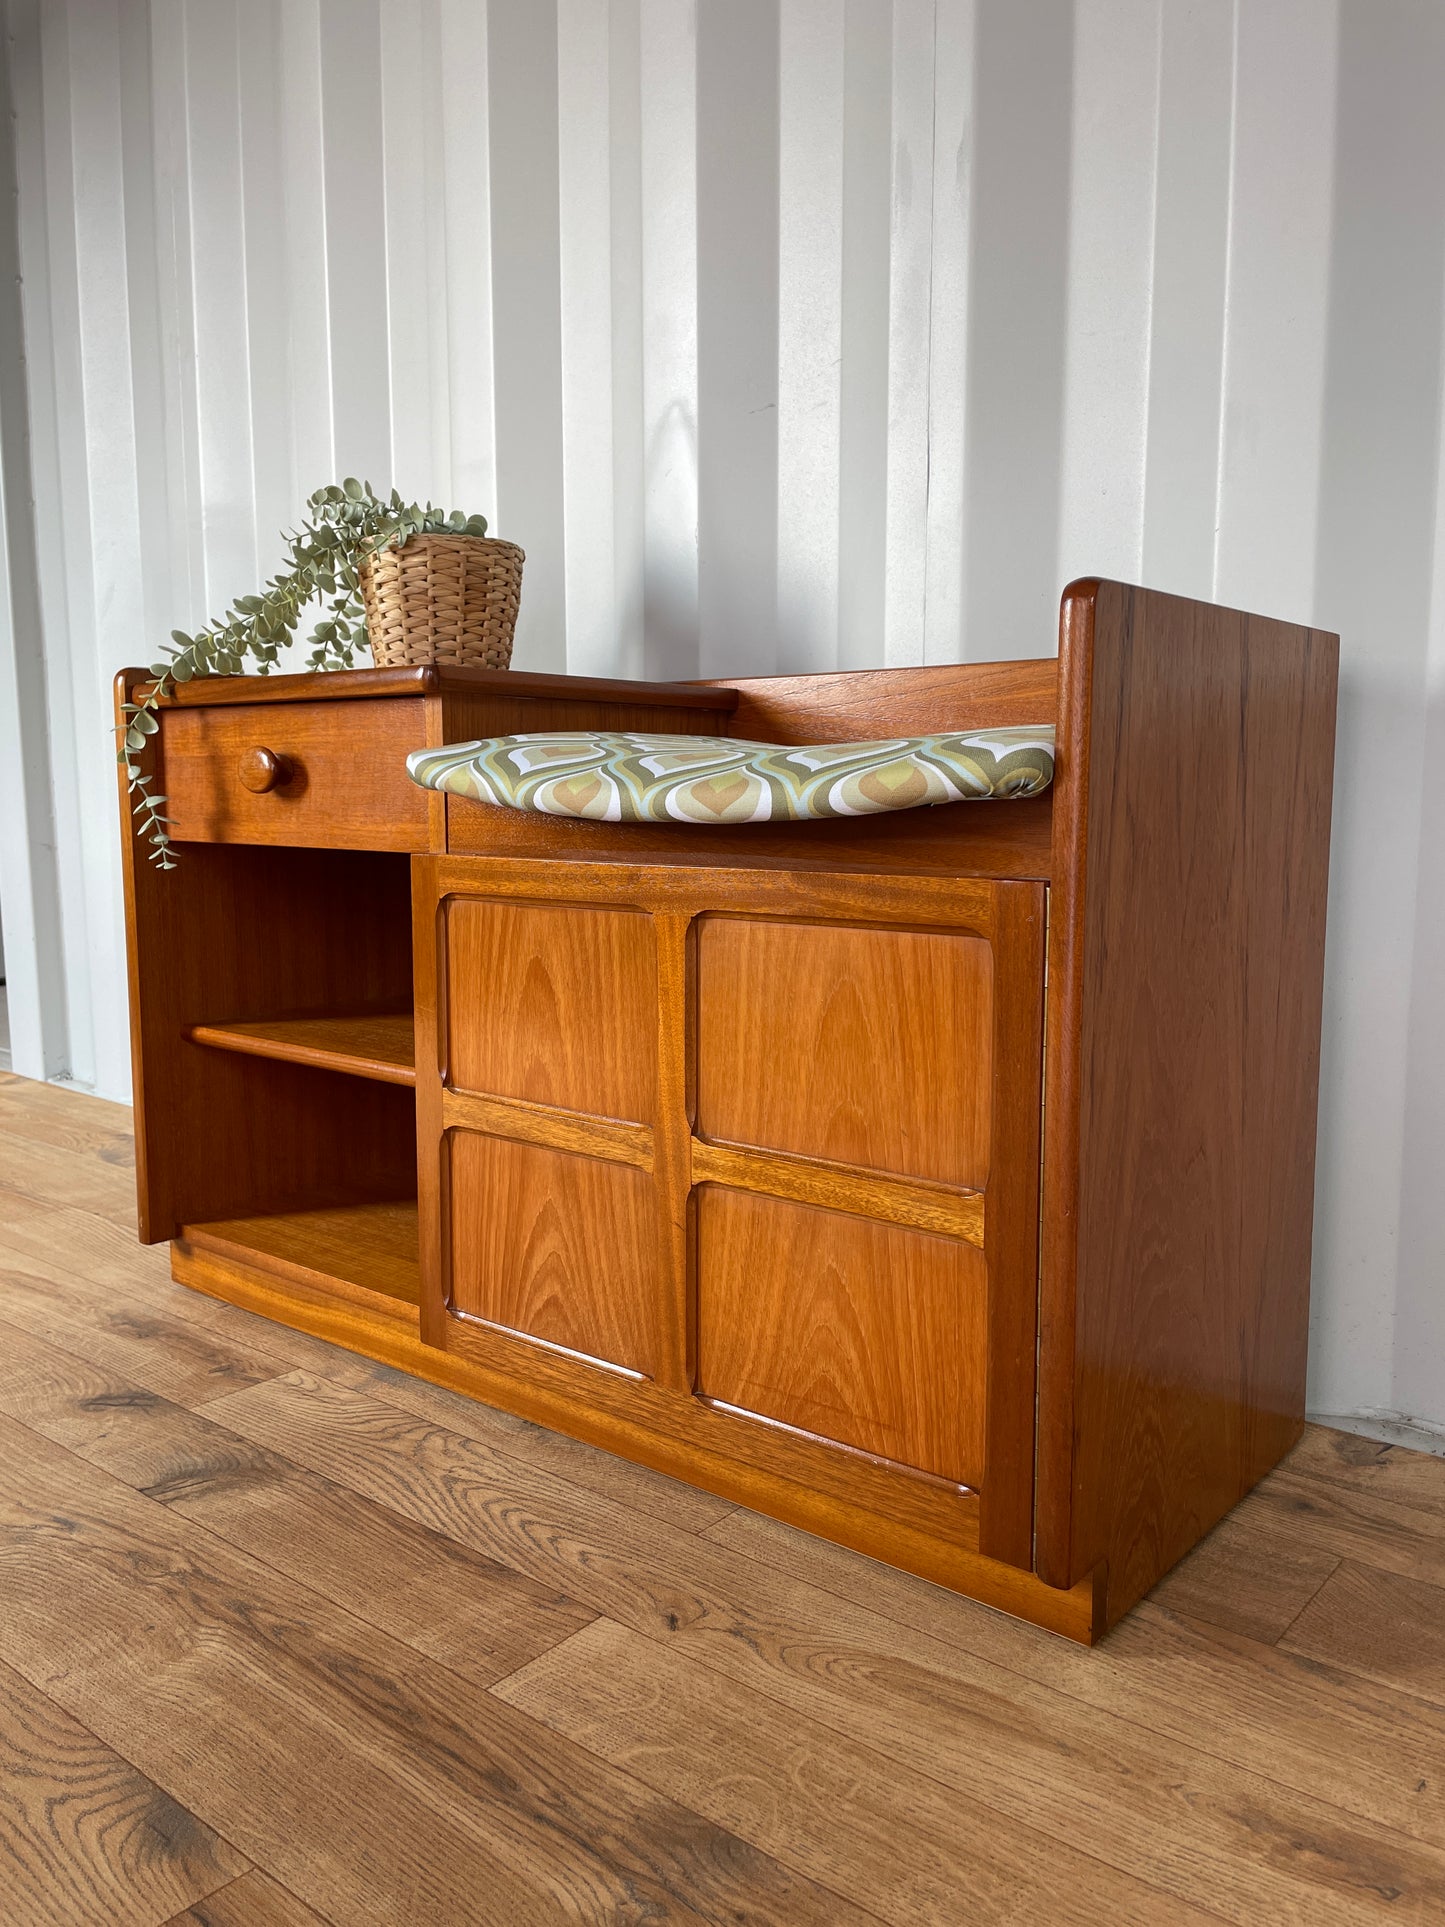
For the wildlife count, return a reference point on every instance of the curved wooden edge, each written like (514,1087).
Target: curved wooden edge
(323,1044)
(880,1195)
(428,679)
(523,1122)
(1053,1488)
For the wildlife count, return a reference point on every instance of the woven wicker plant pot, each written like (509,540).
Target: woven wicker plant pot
(449,599)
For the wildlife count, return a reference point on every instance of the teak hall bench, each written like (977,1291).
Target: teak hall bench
(939,1181)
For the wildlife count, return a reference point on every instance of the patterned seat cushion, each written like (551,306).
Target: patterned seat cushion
(717,779)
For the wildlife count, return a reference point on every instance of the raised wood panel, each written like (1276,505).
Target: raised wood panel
(1185,973)
(863,1333)
(344,782)
(868,1047)
(557,1247)
(553,1003)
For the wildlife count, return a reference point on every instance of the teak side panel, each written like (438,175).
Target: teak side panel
(555,1246)
(868,1047)
(865,1333)
(1187,952)
(554,1004)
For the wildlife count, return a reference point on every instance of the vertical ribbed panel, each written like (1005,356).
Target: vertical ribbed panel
(783,334)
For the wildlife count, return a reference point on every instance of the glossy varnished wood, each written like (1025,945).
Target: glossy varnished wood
(474,686)
(601,1004)
(550,1125)
(553,1004)
(1012,839)
(324,774)
(858,705)
(867,1334)
(554,1246)
(983,839)
(856,957)
(841,1187)
(378,1045)
(218,1135)
(862,1046)
(1192,824)
(368,1250)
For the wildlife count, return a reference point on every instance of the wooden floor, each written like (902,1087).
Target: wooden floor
(288,1638)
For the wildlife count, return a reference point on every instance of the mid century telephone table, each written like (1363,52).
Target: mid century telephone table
(939,1181)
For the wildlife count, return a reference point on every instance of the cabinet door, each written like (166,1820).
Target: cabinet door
(765,1141)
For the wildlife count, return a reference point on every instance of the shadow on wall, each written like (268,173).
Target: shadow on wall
(1379,561)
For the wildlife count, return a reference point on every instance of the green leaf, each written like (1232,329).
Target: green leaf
(352,489)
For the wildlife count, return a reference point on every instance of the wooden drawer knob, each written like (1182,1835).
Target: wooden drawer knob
(262,770)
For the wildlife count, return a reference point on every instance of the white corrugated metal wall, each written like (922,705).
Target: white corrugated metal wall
(782,334)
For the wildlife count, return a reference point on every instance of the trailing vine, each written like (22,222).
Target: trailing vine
(344,525)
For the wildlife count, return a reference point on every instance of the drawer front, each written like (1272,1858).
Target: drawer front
(317,775)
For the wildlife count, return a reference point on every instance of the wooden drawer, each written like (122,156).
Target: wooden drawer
(338,779)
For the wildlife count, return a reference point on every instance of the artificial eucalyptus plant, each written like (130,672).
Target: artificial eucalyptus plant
(343,525)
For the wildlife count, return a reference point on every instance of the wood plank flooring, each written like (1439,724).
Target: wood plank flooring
(291,1640)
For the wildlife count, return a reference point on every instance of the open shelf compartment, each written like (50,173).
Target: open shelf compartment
(376,1044)
(366,1252)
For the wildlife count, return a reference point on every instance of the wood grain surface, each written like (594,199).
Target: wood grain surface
(251,1631)
(869,1334)
(556,1247)
(377,1045)
(342,781)
(864,1046)
(1191,816)
(219,1135)
(895,977)
(251,1901)
(84,1837)
(369,1247)
(553,1004)
(433,679)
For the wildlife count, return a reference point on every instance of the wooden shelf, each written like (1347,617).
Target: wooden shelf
(364,1252)
(380,1045)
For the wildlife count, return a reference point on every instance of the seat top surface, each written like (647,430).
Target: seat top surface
(628,778)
